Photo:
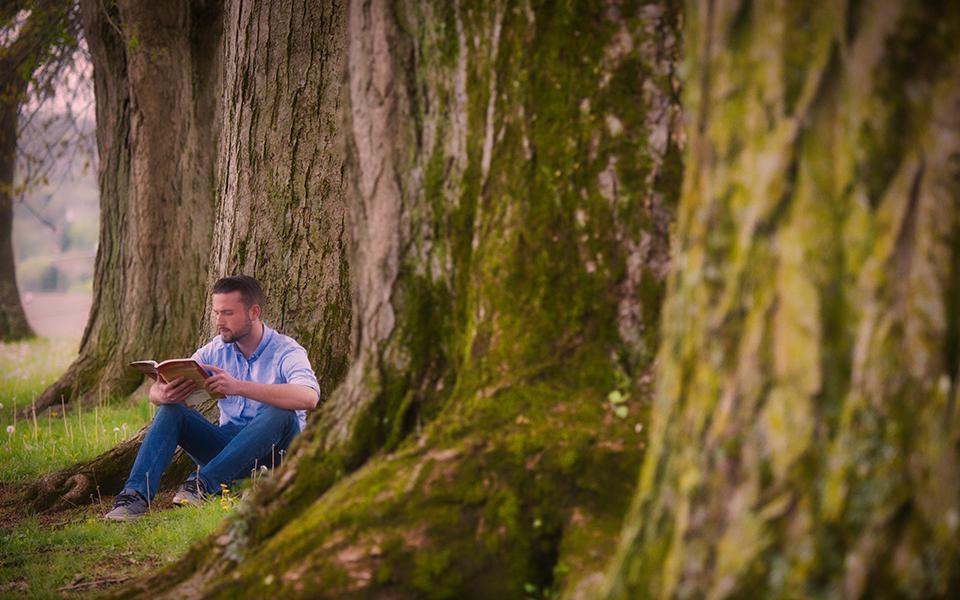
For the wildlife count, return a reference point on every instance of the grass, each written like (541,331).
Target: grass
(86,554)
(75,552)
(32,446)
(28,367)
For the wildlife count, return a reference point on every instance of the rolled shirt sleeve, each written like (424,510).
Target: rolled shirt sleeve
(295,368)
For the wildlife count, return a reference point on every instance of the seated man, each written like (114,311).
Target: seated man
(268,383)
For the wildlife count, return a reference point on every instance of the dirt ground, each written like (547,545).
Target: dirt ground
(57,315)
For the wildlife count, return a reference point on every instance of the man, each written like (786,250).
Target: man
(269,386)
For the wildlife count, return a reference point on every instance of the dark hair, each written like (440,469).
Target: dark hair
(250,291)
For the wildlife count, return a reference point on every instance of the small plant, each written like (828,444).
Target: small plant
(227,501)
(618,403)
(257,473)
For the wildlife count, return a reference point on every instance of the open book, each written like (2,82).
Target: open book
(169,370)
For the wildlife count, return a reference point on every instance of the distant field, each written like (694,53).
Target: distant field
(57,314)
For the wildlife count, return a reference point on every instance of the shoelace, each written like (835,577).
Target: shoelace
(197,487)
(125,499)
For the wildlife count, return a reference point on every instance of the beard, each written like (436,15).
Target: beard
(232,335)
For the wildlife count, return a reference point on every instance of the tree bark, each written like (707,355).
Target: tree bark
(805,435)
(511,178)
(156,76)
(13,321)
(281,204)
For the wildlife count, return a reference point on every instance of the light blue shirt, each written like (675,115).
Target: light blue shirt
(277,359)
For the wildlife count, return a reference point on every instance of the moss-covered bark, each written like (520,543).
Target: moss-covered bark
(512,172)
(156,133)
(805,431)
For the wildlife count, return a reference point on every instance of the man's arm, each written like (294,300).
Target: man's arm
(288,396)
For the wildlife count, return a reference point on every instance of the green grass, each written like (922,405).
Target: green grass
(30,447)
(37,559)
(28,367)
(75,552)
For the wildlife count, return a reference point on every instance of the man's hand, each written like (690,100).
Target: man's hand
(223,382)
(171,393)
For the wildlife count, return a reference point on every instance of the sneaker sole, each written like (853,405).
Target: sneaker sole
(121,517)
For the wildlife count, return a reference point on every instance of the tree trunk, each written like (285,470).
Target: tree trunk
(281,205)
(281,210)
(805,436)
(13,321)
(156,76)
(511,178)
(49,27)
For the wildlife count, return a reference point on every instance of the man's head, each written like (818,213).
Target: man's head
(237,304)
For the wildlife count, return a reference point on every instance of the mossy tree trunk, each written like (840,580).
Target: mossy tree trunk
(805,434)
(511,177)
(156,81)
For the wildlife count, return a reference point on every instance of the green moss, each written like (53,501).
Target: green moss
(450,515)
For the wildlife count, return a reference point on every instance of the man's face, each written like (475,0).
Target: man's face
(231,318)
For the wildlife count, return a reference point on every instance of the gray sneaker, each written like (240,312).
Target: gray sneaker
(128,505)
(191,493)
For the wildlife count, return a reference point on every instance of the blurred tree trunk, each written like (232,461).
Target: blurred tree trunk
(511,174)
(805,435)
(28,47)
(13,321)
(156,75)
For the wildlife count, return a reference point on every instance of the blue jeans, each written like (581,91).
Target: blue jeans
(223,453)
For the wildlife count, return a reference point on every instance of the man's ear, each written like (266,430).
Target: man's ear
(255,312)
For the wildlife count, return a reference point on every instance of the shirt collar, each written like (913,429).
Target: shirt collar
(267,336)
(264,341)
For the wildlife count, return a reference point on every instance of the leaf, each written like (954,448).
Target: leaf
(616,397)
(621,411)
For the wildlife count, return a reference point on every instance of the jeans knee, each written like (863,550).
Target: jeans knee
(278,418)
(274,413)
(169,412)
